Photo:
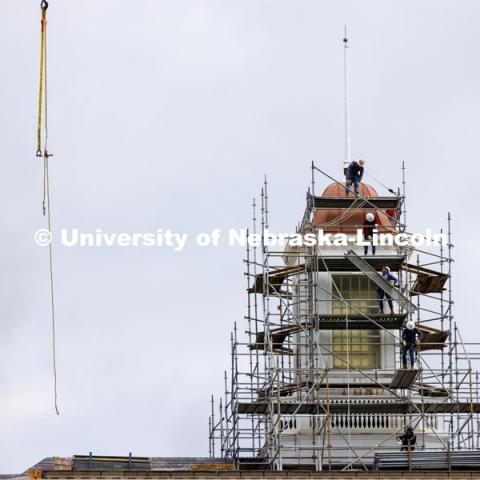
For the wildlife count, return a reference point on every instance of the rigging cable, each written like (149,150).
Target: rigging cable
(43,152)
(381,183)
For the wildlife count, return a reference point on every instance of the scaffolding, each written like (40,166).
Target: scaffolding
(316,380)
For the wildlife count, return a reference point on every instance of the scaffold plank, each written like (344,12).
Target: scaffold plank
(427,281)
(404,379)
(276,278)
(432,338)
(381,203)
(430,390)
(427,284)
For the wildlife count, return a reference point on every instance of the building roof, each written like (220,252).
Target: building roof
(206,473)
(80,463)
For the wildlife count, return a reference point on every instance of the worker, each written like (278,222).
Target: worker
(408,439)
(354,174)
(369,226)
(410,335)
(392,280)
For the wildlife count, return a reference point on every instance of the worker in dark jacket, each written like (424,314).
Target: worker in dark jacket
(409,340)
(388,277)
(354,174)
(408,439)
(369,226)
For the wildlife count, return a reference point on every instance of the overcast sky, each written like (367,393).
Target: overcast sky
(167,114)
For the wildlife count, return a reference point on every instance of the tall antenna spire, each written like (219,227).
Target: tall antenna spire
(347,102)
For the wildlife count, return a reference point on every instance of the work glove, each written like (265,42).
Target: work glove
(404,343)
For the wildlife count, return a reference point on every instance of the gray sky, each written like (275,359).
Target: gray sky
(167,114)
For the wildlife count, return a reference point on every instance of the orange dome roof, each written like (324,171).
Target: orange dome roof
(338,190)
(336,220)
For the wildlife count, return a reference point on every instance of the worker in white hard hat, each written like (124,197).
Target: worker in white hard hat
(410,335)
(387,276)
(369,225)
(354,174)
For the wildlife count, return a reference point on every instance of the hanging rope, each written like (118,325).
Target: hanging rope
(52,297)
(42,151)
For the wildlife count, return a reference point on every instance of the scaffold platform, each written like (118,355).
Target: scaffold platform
(336,384)
(329,322)
(430,338)
(381,203)
(337,408)
(328,263)
(404,379)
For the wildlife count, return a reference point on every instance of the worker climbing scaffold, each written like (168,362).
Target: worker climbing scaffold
(410,336)
(369,226)
(392,280)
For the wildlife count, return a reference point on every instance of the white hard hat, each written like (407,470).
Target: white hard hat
(410,325)
(370,216)
(386,268)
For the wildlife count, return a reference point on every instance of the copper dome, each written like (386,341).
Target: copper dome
(333,220)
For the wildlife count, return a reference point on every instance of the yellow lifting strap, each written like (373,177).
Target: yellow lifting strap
(43,47)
